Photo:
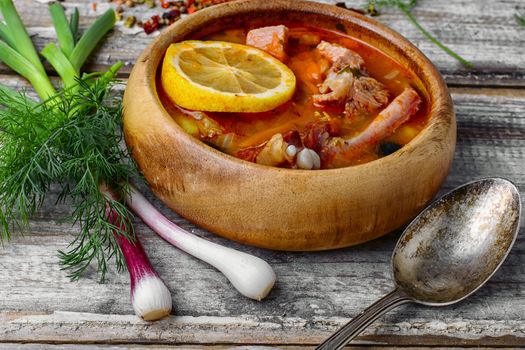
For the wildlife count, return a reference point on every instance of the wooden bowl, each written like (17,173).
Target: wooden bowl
(287,209)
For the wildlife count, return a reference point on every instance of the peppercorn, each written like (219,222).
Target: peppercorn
(183,9)
(150,3)
(130,21)
(130,3)
(170,15)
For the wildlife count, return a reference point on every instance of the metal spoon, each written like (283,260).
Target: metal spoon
(447,252)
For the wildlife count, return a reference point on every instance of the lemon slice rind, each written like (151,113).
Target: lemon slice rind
(185,91)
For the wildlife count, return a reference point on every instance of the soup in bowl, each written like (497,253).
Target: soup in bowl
(289,125)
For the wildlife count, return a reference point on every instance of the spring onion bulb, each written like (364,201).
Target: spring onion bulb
(150,297)
(250,275)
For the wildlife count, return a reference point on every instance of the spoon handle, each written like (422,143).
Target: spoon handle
(349,331)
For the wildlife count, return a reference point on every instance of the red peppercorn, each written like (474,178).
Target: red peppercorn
(165,5)
(192,9)
(148,28)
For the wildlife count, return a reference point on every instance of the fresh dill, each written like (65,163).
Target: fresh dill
(406,6)
(72,141)
(520,18)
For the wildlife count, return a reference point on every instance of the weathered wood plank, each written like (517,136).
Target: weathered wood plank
(120,329)
(315,293)
(38,346)
(484,32)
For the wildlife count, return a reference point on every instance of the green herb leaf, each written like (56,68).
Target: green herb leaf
(405,6)
(520,18)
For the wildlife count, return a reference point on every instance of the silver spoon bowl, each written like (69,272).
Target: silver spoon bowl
(448,251)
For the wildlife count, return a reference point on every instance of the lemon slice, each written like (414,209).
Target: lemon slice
(218,76)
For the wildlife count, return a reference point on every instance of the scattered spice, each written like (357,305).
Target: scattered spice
(94,6)
(130,21)
(174,10)
(372,10)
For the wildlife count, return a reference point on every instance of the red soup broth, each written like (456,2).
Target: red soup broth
(253,129)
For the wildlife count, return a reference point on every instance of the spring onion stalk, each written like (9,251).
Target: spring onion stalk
(61,64)
(62,28)
(4,34)
(73,24)
(150,297)
(91,37)
(19,36)
(250,275)
(22,66)
(17,51)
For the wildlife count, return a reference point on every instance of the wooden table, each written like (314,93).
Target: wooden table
(316,292)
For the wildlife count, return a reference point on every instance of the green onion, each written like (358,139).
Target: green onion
(91,37)
(62,28)
(18,34)
(23,66)
(62,66)
(73,24)
(5,35)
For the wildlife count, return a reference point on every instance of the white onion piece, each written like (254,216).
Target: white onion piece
(308,159)
(250,275)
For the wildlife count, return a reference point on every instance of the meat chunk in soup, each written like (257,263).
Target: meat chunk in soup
(340,56)
(347,82)
(338,150)
(273,40)
(366,95)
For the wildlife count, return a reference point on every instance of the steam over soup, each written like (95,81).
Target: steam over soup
(351,103)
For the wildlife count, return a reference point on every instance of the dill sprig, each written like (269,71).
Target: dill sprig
(406,6)
(520,18)
(73,140)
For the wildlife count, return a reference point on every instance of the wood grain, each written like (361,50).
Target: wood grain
(316,292)
(484,32)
